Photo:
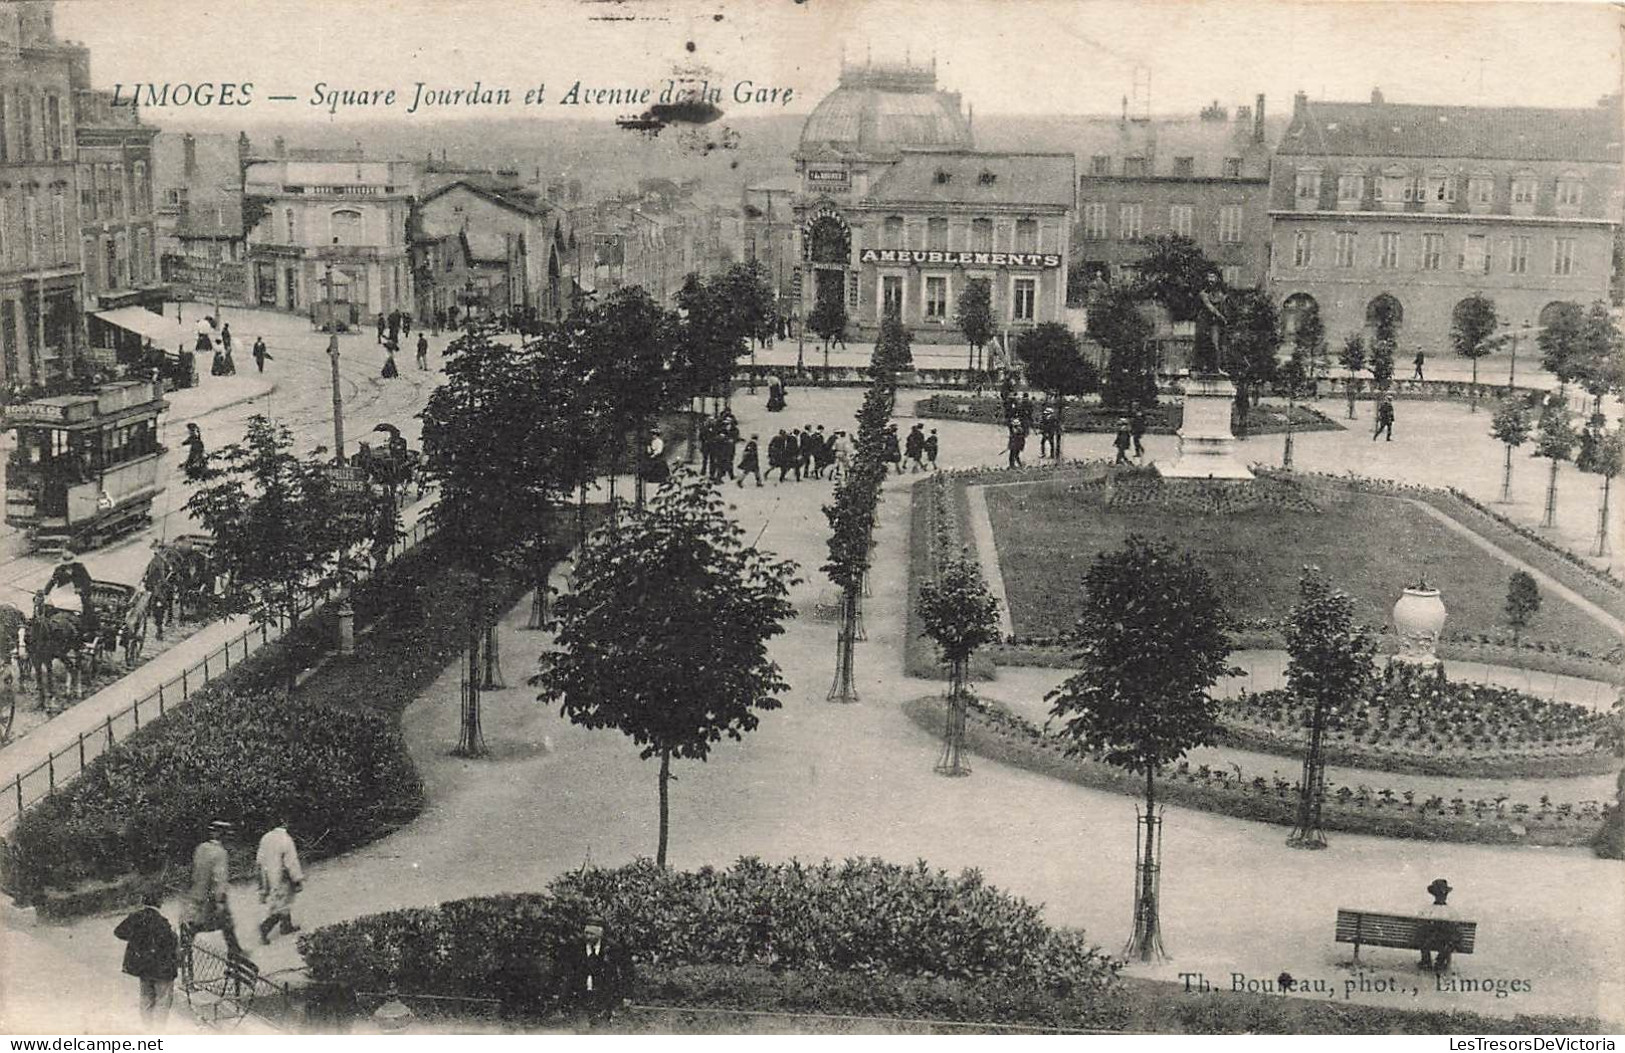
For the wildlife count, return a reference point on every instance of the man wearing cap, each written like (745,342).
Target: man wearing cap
(209,909)
(595,970)
(1438,939)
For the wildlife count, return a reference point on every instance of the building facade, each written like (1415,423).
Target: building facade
(1205,178)
(513,241)
(328,236)
(1420,207)
(198,200)
(897,211)
(41,300)
(117,229)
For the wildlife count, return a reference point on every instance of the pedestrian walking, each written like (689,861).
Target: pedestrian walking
(1417,362)
(197,458)
(1048,432)
(792,452)
(149,956)
(810,442)
(260,353)
(708,446)
(776,456)
(1026,411)
(750,464)
(383,323)
(1385,419)
(842,448)
(914,449)
(1124,439)
(423,351)
(280,878)
(775,393)
(727,442)
(1136,430)
(225,338)
(931,449)
(1016,443)
(406,323)
(891,452)
(390,371)
(209,909)
(439,320)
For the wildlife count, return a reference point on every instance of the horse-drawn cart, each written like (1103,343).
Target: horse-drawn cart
(121,620)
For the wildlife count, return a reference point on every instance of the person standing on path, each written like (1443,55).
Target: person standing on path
(225,338)
(1385,419)
(390,372)
(931,449)
(777,457)
(891,452)
(209,908)
(197,459)
(260,353)
(1440,939)
(1417,362)
(280,878)
(1016,443)
(1136,430)
(750,464)
(1124,439)
(149,956)
(1049,431)
(382,325)
(914,449)
(423,351)
(842,448)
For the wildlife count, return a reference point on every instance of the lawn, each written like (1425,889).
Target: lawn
(1371,545)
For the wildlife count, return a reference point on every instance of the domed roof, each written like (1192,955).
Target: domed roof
(878,109)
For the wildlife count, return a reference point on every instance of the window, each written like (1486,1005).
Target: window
(117,181)
(1432,251)
(287,219)
(1569,189)
(1023,299)
(1518,254)
(893,232)
(1308,186)
(346,224)
(1563,256)
(936,233)
(59,226)
(1523,189)
(1303,248)
(1184,167)
(1345,248)
(5,146)
(25,123)
(936,297)
(1232,168)
(1179,219)
(1388,250)
(1415,190)
(981,231)
(1480,190)
(1350,189)
(1129,221)
(52,132)
(1134,166)
(31,229)
(87,193)
(109,264)
(1231,275)
(891,294)
(852,289)
(1475,254)
(1094,222)
(1441,188)
(1100,165)
(1026,235)
(1229,223)
(138,186)
(121,248)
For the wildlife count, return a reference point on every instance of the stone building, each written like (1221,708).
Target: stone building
(41,272)
(897,210)
(198,197)
(329,232)
(1206,178)
(1420,207)
(510,243)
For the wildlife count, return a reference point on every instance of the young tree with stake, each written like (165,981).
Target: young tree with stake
(1472,332)
(1352,359)
(1555,440)
(1153,646)
(1510,427)
(974,316)
(959,614)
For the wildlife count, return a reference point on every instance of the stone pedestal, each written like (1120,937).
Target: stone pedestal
(1207,447)
(1419,619)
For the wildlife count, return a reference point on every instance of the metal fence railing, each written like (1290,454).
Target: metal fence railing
(63,765)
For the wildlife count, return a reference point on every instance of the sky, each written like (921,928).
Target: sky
(1005,56)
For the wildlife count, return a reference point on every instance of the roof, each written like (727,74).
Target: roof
(1163,140)
(884,108)
(513,198)
(962,177)
(1385,129)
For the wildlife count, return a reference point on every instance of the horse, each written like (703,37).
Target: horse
(177,577)
(53,635)
(159,583)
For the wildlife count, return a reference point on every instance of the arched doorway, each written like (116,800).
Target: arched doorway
(1384,312)
(1554,311)
(1295,310)
(828,246)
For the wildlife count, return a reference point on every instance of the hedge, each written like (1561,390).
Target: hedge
(1163,418)
(860,916)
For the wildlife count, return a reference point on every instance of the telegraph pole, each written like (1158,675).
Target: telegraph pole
(333,356)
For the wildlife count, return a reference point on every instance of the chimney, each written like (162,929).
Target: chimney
(279,147)
(189,156)
(1258,119)
(1300,106)
(1376,96)
(1125,107)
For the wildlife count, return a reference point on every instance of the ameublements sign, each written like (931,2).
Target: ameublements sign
(967,259)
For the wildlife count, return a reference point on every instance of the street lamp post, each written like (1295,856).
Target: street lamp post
(333,356)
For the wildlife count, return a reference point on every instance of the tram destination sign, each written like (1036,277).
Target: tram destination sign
(1042,260)
(36,413)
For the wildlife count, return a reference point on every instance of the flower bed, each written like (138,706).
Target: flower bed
(994,731)
(1163,418)
(892,925)
(1414,720)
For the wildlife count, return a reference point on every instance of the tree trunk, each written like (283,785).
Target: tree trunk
(1601,548)
(538,602)
(1060,425)
(665,807)
(1472,402)
(1148,925)
(1349,387)
(1506,477)
(581,515)
(293,670)
(1286,452)
(471,739)
(1550,519)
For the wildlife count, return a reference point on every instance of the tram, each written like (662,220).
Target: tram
(86,466)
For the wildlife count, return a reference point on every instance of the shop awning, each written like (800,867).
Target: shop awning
(164,332)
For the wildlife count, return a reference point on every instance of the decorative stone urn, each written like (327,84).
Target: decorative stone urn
(1419,619)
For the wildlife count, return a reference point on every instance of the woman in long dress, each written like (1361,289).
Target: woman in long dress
(389,370)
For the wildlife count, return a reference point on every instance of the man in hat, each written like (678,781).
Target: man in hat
(209,909)
(595,971)
(69,587)
(149,956)
(1439,940)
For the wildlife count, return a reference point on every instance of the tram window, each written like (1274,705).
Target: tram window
(59,443)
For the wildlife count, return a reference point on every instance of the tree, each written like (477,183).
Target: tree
(1153,645)
(1561,341)
(1254,339)
(974,316)
(959,614)
(1308,342)
(1115,322)
(1554,439)
(1605,457)
(828,316)
(1055,364)
(1511,427)
(894,351)
(1600,361)
(1472,333)
(1384,341)
(1523,602)
(1352,358)
(285,533)
(630,340)
(1173,272)
(663,634)
(1328,663)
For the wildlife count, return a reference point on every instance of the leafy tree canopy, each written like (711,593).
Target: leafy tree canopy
(957,610)
(974,312)
(1472,327)
(1054,362)
(1174,272)
(1328,654)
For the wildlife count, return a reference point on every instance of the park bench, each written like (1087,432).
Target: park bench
(1372,929)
